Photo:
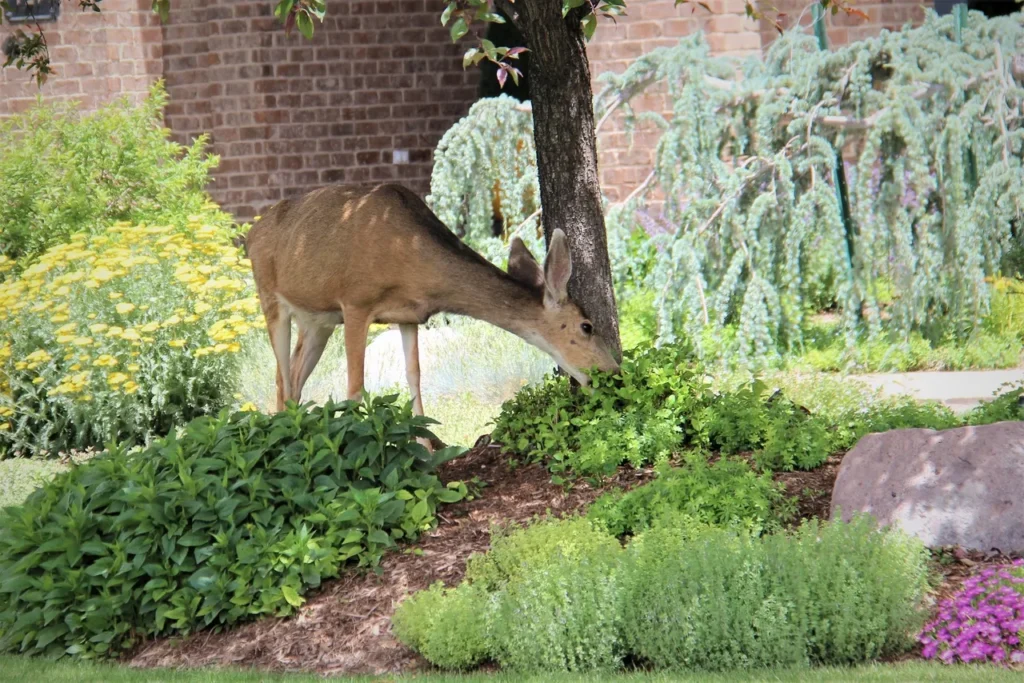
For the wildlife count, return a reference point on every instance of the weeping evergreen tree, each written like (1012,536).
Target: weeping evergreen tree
(750,239)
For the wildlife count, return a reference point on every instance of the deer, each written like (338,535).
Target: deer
(358,255)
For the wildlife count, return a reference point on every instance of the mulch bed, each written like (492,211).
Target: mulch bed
(344,628)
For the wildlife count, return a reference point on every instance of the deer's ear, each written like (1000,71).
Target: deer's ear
(523,267)
(557,269)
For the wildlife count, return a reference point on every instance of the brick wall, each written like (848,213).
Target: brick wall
(95,57)
(847,28)
(288,115)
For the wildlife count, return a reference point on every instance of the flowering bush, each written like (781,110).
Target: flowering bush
(67,171)
(121,335)
(983,622)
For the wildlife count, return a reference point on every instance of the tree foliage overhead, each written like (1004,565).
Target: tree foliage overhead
(751,236)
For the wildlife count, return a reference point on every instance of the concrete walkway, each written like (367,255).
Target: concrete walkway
(961,391)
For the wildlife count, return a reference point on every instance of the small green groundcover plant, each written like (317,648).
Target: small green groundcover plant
(237,516)
(727,490)
(662,402)
(566,596)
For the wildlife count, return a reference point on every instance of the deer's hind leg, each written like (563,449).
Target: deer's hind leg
(308,351)
(279,327)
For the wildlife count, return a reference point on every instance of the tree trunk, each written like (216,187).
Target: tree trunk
(566,142)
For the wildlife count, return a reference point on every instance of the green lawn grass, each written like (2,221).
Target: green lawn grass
(26,670)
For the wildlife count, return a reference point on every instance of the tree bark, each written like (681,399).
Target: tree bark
(566,142)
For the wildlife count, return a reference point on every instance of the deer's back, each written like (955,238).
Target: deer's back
(352,245)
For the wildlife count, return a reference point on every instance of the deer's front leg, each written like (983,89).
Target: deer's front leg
(357,324)
(411,347)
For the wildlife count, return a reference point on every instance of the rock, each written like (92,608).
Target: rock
(960,487)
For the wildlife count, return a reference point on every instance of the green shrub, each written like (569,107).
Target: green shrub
(561,615)
(717,494)
(234,518)
(66,172)
(1006,406)
(449,627)
(543,598)
(794,439)
(122,334)
(718,599)
(515,549)
(637,416)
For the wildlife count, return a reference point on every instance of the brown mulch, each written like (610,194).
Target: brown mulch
(345,627)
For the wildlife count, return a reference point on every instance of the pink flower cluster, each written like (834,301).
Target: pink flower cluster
(984,622)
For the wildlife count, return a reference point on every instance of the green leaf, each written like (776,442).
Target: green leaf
(291,596)
(569,5)
(459,29)
(447,14)
(378,536)
(589,25)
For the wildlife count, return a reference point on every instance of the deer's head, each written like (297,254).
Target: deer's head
(560,327)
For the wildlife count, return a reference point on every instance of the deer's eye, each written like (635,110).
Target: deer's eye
(587,328)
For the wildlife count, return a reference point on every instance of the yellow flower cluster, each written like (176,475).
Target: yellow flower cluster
(103,302)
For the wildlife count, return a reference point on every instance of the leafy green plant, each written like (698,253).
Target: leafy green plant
(1007,405)
(543,598)
(717,599)
(66,172)
(449,627)
(122,335)
(235,517)
(513,549)
(639,415)
(721,493)
(562,615)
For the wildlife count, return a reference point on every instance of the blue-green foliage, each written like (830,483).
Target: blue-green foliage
(751,240)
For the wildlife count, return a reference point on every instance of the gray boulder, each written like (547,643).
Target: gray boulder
(962,486)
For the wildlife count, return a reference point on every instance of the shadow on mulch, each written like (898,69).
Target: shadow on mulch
(345,627)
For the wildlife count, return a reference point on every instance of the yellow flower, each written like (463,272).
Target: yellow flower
(115,331)
(37,380)
(6,411)
(129,387)
(124,308)
(65,338)
(150,327)
(20,365)
(220,348)
(67,329)
(96,328)
(115,378)
(173,320)
(5,426)
(115,295)
(249,406)
(82,341)
(101,274)
(132,367)
(105,361)
(234,347)
(131,335)
(76,367)
(202,307)
(176,343)
(60,318)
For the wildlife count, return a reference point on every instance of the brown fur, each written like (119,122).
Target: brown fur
(364,255)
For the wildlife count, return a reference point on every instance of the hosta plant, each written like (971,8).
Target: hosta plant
(236,517)
(122,335)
